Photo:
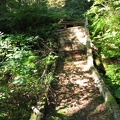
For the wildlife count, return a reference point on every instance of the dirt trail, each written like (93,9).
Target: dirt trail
(74,95)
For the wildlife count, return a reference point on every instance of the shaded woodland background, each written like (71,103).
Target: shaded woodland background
(28,44)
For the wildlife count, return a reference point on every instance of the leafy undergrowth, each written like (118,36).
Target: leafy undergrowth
(23,76)
(27,56)
(106,37)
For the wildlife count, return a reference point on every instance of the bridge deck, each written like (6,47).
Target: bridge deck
(74,95)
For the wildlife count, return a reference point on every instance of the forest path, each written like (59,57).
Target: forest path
(73,95)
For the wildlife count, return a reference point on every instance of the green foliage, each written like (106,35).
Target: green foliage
(37,18)
(75,9)
(117,93)
(113,71)
(20,76)
(26,52)
(105,31)
(33,17)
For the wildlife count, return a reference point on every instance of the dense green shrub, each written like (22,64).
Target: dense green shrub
(29,18)
(22,76)
(37,17)
(105,32)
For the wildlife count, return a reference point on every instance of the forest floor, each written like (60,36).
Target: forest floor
(73,95)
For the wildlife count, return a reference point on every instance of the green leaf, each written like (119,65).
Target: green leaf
(32,58)
(16,82)
(117,93)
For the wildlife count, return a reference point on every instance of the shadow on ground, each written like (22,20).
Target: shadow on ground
(73,96)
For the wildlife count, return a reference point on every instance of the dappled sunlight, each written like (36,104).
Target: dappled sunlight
(80,34)
(82,82)
(73,39)
(46,60)
(76,89)
(56,3)
(76,92)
